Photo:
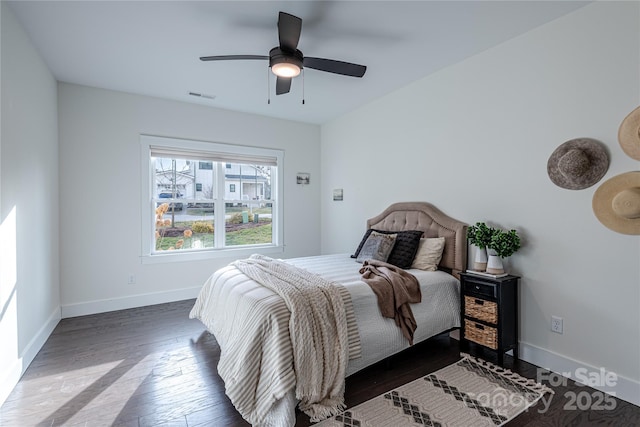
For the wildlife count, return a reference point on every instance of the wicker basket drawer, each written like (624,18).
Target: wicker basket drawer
(481,309)
(481,334)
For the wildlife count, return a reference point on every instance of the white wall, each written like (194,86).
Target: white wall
(474,139)
(100,215)
(29,270)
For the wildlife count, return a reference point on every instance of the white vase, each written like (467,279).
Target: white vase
(494,265)
(480,260)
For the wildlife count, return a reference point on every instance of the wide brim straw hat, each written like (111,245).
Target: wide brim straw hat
(578,163)
(629,134)
(616,203)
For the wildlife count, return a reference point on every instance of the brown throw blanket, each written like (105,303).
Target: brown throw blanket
(395,289)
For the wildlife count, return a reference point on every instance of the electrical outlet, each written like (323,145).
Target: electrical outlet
(132,279)
(556,324)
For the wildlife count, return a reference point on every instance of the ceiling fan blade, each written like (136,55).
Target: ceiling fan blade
(228,57)
(289,28)
(283,85)
(333,66)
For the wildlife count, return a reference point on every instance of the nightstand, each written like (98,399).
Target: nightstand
(489,313)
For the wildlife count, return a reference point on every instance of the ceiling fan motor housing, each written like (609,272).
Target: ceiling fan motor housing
(278,56)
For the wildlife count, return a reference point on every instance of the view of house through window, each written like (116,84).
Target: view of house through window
(211,200)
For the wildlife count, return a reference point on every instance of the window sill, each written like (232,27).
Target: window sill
(177,256)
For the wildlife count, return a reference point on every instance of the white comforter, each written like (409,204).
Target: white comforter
(230,303)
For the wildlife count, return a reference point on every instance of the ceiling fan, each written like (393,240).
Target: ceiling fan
(286,61)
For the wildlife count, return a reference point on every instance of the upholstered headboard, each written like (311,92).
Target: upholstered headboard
(433,223)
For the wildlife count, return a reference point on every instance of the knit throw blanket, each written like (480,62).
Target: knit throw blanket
(395,289)
(318,330)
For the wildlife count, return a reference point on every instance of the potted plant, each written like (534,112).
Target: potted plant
(503,244)
(480,235)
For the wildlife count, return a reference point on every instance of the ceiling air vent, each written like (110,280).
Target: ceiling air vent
(202,95)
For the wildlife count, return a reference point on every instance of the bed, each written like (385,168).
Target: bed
(251,322)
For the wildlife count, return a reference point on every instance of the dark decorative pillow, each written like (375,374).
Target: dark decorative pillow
(364,239)
(378,246)
(405,249)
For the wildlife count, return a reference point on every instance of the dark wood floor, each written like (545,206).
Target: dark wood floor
(153,366)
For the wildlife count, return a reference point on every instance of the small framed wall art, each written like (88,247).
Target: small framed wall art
(337,195)
(303,178)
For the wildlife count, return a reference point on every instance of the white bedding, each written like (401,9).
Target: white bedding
(380,337)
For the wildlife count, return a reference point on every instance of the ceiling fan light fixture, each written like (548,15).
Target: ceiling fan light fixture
(285,64)
(285,69)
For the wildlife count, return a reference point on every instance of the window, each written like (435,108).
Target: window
(194,213)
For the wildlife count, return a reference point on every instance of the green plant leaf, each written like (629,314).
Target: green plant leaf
(504,243)
(480,234)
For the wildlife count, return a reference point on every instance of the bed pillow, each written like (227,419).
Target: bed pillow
(364,239)
(404,250)
(378,246)
(429,254)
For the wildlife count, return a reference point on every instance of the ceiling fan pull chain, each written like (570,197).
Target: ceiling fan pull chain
(303,86)
(268,87)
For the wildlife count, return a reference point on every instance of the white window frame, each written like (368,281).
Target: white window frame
(148,205)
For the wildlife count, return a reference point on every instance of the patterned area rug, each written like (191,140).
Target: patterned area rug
(470,392)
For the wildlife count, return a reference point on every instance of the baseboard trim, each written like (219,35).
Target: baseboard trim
(123,303)
(12,375)
(621,387)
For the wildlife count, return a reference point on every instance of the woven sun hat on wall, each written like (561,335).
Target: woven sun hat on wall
(629,134)
(578,163)
(616,203)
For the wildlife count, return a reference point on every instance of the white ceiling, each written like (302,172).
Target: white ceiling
(153,47)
